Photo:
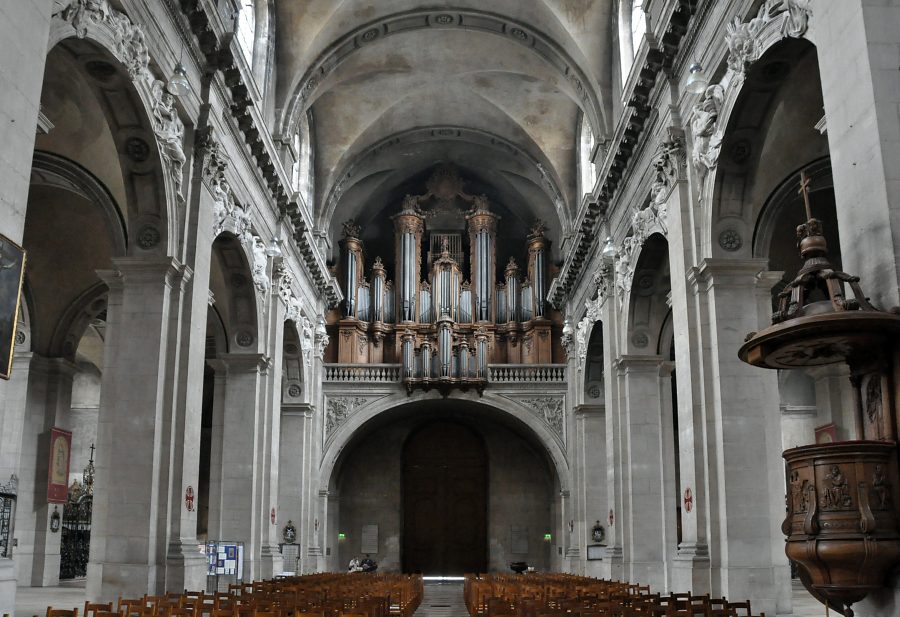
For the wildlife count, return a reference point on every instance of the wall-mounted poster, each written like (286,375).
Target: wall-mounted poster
(58,474)
(12,271)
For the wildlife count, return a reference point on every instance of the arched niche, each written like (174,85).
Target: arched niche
(235,294)
(772,121)
(594,366)
(648,302)
(522,483)
(98,68)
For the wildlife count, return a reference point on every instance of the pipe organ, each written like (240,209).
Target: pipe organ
(442,319)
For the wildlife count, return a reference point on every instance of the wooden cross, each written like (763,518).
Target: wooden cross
(804,190)
(92,453)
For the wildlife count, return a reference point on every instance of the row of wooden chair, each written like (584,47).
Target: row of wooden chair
(558,595)
(316,595)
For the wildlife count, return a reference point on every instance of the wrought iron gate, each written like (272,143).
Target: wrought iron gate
(76,526)
(76,534)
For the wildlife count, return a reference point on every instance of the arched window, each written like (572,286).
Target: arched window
(638,25)
(246,30)
(632,28)
(587,169)
(302,172)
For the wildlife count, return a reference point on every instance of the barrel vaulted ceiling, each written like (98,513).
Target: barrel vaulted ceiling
(396,87)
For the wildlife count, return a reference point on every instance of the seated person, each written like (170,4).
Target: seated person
(368,565)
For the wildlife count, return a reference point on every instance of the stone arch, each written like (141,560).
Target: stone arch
(774,235)
(646,305)
(49,169)
(299,350)
(370,408)
(238,291)
(757,48)
(303,92)
(592,380)
(540,171)
(25,326)
(149,135)
(90,305)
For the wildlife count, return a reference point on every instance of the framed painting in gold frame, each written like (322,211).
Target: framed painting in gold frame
(12,273)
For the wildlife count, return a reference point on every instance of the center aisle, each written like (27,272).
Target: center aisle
(442,600)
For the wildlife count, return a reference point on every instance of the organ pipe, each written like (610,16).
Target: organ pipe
(537,268)
(352,258)
(379,290)
(409,226)
(482,242)
(513,291)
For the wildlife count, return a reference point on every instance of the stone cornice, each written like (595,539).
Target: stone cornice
(215,40)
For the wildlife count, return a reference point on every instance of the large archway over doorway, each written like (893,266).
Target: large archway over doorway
(367,496)
(444,500)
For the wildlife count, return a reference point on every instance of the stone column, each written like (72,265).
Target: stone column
(742,422)
(615,453)
(24,27)
(242,515)
(690,565)
(132,491)
(590,460)
(185,565)
(857,47)
(268,440)
(312,552)
(47,404)
(292,454)
(216,454)
(645,534)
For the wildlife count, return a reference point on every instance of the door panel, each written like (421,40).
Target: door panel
(444,501)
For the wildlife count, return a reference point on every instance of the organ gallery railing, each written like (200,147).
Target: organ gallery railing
(496,373)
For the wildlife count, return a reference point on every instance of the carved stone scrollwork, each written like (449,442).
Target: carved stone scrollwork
(339,409)
(743,38)
(668,168)
(285,281)
(307,340)
(260,265)
(169,132)
(707,139)
(321,344)
(603,279)
(625,267)
(549,409)
(131,48)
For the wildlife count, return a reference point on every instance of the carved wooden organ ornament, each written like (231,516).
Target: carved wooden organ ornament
(843,520)
(446,327)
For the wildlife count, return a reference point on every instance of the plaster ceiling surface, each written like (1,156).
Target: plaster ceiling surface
(382,97)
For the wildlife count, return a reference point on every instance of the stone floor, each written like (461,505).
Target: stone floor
(441,600)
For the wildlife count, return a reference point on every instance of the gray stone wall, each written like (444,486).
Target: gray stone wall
(519,494)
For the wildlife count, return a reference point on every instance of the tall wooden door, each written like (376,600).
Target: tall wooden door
(444,500)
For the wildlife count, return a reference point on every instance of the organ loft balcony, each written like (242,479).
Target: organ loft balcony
(444,304)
